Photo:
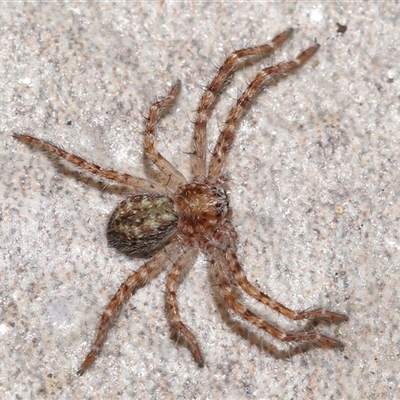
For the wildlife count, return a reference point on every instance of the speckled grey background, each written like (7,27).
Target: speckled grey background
(315,191)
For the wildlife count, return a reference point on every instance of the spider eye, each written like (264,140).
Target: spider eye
(141,223)
(221,203)
(218,192)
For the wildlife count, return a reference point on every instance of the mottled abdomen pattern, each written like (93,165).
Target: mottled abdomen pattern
(141,223)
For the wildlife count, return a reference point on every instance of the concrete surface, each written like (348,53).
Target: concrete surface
(315,192)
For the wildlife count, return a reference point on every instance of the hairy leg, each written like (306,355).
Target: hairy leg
(223,279)
(251,290)
(226,137)
(173,177)
(174,279)
(138,279)
(209,96)
(138,184)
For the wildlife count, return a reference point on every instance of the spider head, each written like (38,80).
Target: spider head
(201,204)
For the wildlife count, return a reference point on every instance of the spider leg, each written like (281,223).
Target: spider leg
(227,135)
(240,278)
(174,279)
(138,184)
(224,281)
(172,176)
(210,95)
(138,279)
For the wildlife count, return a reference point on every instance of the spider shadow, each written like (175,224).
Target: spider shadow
(152,172)
(91,180)
(243,330)
(255,339)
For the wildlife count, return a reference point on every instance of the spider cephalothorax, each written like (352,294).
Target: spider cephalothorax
(200,205)
(174,219)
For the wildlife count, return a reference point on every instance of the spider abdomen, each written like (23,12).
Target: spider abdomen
(141,223)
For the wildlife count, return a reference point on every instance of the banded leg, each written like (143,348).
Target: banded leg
(227,135)
(138,279)
(209,96)
(174,279)
(138,184)
(241,279)
(225,287)
(173,177)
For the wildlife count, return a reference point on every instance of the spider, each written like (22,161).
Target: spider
(173,219)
